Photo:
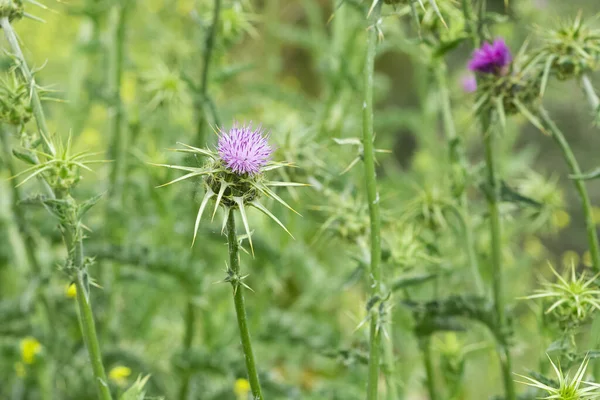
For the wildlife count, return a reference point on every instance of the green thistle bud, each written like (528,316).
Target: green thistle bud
(15,105)
(11,9)
(569,51)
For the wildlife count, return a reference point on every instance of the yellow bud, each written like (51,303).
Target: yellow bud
(241,388)
(570,258)
(119,374)
(30,347)
(561,219)
(71,291)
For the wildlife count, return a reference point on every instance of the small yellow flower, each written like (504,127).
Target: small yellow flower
(119,374)
(570,258)
(241,388)
(561,219)
(587,259)
(20,369)
(71,291)
(30,347)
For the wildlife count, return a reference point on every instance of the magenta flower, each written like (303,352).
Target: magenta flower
(491,58)
(469,83)
(244,150)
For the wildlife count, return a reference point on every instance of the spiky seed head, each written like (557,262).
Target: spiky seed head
(244,150)
(11,9)
(15,105)
(491,58)
(570,50)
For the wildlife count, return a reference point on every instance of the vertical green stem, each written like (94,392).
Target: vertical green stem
(425,344)
(590,93)
(190,324)
(240,307)
(118,145)
(203,100)
(579,185)
(74,241)
(388,354)
(459,162)
(36,103)
(373,199)
(496,238)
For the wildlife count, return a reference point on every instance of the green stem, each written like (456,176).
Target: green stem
(590,93)
(240,307)
(36,103)
(429,370)
(493,199)
(579,185)
(373,199)
(203,101)
(86,317)
(119,139)
(190,324)
(459,162)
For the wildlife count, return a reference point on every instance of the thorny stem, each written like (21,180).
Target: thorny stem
(240,307)
(579,185)
(203,101)
(74,242)
(190,323)
(590,93)
(72,238)
(493,199)
(425,345)
(373,198)
(36,103)
(458,160)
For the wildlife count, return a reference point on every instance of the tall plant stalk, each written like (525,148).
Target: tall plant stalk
(574,169)
(71,229)
(459,161)
(204,101)
(188,337)
(493,199)
(240,307)
(373,199)
(425,344)
(119,137)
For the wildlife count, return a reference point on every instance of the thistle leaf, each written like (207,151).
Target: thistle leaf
(240,202)
(209,193)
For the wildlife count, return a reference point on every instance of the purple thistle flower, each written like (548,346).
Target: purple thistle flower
(491,58)
(244,150)
(469,83)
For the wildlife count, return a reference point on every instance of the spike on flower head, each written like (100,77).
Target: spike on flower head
(244,150)
(491,58)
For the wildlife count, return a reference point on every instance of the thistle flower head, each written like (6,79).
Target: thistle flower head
(15,105)
(244,150)
(234,175)
(566,388)
(491,58)
(573,298)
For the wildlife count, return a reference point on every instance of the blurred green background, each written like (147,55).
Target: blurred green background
(287,65)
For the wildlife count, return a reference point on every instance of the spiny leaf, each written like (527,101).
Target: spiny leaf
(209,193)
(240,202)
